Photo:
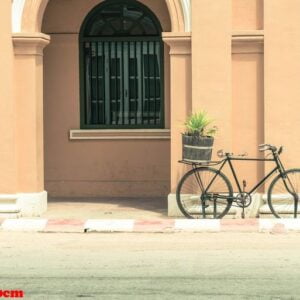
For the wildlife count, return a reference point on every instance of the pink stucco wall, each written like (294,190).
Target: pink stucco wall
(118,168)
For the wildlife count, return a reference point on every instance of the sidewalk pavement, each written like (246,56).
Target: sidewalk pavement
(106,208)
(133,215)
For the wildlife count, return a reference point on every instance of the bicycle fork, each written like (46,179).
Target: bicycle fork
(287,182)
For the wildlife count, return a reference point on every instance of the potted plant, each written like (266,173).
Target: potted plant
(197,141)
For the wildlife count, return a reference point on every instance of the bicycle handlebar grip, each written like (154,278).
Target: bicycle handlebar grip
(265,147)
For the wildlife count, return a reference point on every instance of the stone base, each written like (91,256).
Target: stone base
(234,212)
(23,204)
(279,206)
(173,209)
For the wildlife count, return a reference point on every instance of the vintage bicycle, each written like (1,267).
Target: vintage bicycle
(205,192)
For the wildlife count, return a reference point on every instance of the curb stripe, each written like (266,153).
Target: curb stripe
(65,222)
(159,225)
(24,224)
(197,225)
(153,225)
(109,225)
(279,224)
(239,225)
(65,225)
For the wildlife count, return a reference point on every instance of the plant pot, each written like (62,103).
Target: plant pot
(196,148)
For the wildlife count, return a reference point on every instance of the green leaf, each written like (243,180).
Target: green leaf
(197,124)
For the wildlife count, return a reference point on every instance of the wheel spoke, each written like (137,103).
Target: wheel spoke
(283,195)
(197,194)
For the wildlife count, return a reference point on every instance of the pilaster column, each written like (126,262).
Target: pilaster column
(180,82)
(211,65)
(282,77)
(28,48)
(7,105)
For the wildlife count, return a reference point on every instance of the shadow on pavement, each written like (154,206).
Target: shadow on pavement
(108,208)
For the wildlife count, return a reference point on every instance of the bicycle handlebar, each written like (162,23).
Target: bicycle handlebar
(266,147)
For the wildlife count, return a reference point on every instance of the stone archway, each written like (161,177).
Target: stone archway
(32,12)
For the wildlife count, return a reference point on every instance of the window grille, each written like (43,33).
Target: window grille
(121,58)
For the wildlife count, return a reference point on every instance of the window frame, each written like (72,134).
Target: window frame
(82,69)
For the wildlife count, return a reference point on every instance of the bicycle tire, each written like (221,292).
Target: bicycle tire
(190,198)
(282,203)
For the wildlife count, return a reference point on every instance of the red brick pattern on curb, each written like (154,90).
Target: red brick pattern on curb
(65,225)
(279,229)
(66,222)
(275,226)
(153,225)
(240,225)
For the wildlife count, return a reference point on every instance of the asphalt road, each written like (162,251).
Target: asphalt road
(151,266)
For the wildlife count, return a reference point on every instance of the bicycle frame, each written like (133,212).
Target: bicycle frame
(241,197)
(279,167)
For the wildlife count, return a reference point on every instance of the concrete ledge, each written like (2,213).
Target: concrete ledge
(283,204)
(234,212)
(32,204)
(23,204)
(173,209)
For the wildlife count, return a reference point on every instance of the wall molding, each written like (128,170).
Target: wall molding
(30,43)
(247,41)
(120,134)
(179,42)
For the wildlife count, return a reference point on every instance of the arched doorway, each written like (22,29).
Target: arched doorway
(28,15)
(104,79)
(36,16)
(121,67)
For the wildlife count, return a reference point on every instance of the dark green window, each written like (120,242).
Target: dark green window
(121,60)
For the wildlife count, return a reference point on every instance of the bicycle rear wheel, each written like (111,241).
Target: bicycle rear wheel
(204,193)
(284,193)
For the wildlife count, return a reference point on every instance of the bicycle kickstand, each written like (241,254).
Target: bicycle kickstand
(243,208)
(243,212)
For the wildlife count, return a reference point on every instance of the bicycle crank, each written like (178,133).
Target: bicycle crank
(243,200)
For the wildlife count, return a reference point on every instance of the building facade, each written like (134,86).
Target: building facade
(94,93)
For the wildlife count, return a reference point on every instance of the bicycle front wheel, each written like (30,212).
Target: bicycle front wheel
(284,193)
(204,193)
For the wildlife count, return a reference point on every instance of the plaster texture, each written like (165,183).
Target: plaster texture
(238,60)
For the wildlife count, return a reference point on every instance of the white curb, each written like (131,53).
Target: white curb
(198,225)
(24,224)
(131,225)
(109,225)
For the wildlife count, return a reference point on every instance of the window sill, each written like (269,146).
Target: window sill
(120,134)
